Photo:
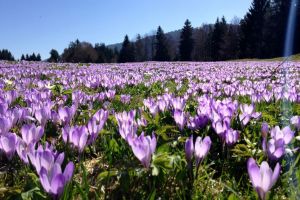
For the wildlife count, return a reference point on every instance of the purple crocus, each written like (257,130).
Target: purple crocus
(31,134)
(66,114)
(43,115)
(143,147)
(200,149)
(189,149)
(54,180)
(178,103)
(76,135)
(8,144)
(286,134)
(264,129)
(127,124)
(262,178)
(247,112)
(180,118)
(295,120)
(5,124)
(231,137)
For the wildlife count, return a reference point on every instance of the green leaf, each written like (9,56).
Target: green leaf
(107,174)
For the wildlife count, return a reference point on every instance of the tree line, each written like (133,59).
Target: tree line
(260,34)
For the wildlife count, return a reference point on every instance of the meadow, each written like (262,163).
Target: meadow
(155,130)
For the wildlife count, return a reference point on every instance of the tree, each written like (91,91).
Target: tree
(139,49)
(127,51)
(6,55)
(38,57)
(161,49)
(22,57)
(80,52)
(218,34)
(186,41)
(252,40)
(54,56)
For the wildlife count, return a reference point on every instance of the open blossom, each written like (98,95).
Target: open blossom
(247,112)
(262,178)
(31,134)
(286,134)
(143,147)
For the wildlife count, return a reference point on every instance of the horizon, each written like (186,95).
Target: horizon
(53,25)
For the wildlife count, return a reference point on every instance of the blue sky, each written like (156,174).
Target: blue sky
(40,25)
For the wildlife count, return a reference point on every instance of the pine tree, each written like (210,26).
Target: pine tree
(127,51)
(186,41)
(22,57)
(218,38)
(252,39)
(139,49)
(38,57)
(161,49)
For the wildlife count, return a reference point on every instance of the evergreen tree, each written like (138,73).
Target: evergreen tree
(6,55)
(252,30)
(127,51)
(38,57)
(139,49)
(218,38)
(161,49)
(54,56)
(22,57)
(186,41)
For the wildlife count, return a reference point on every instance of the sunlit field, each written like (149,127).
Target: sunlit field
(156,130)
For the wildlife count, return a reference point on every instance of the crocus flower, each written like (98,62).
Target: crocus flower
(5,124)
(264,129)
(43,115)
(262,178)
(66,114)
(180,118)
(8,144)
(127,124)
(201,148)
(295,120)
(54,180)
(189,149)
(274,148)
(247,112)
(178,103)
(143,147)
(125,98)
(286,134)
(231,137)
(31,134)
(76,135)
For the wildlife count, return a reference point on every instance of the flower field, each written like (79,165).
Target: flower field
(156,130)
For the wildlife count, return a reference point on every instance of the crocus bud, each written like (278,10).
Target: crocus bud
(201,148)
(189,149)
(264,129)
